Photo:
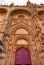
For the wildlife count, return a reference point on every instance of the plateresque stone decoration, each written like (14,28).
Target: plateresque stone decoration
(22,34)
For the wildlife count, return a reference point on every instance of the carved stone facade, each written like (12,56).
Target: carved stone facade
(22,26)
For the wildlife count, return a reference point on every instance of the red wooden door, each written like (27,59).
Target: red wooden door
(22,57)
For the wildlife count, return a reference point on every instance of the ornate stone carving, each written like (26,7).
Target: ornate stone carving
(25,17)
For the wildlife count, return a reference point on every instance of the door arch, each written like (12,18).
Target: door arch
(22,57)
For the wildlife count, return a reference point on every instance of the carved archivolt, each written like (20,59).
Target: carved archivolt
(23,26)
(22,41)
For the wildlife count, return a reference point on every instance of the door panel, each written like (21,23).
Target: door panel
(22,57)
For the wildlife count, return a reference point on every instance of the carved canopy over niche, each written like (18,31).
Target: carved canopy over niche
(41,15)
(21,13)
(3,13)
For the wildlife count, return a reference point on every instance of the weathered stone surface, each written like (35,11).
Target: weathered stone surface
(23,24)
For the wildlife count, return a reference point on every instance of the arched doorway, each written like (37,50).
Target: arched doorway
(22,57)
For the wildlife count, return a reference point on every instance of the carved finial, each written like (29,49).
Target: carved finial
(28,3)
(12,4)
